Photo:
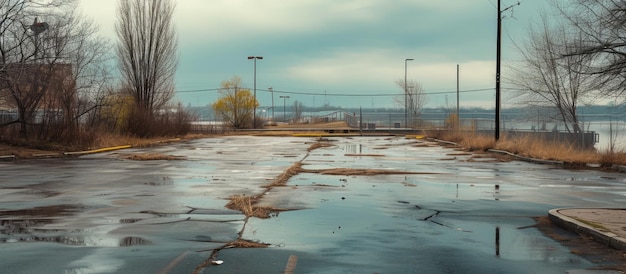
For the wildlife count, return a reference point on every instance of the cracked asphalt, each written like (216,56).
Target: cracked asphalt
(434,210)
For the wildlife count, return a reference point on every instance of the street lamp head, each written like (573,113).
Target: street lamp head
(408,59)
(255,57)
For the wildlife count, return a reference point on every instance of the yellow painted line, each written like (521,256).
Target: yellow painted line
(97,150)
(308,135)
(290,268)
(415,136)
(173,263)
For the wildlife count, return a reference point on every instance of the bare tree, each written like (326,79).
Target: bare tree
(601,26)
(147,51)
(33,55)
(298,108)
(548,77)
(88,55)
(52,66)
(415,97)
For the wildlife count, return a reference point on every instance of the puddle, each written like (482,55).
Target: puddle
(441,216)
(43,211)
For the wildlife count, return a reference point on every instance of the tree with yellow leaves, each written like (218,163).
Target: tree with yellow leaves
(236,104)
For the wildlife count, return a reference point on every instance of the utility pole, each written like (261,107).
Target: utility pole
(406,92)
(458,117)
(498,49)
(272,92)
(284,107)
(498,53)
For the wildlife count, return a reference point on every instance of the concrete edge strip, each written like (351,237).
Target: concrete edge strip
(607,238)
(446,142)
(527,159)
(78,153)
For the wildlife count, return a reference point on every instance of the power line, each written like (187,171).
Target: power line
(197,90)
(341,94)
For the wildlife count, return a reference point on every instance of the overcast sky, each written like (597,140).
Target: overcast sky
(318,51)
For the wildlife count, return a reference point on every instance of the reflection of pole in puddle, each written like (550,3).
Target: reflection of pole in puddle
(354,148)
(457,191)
(497,241)
(497,187)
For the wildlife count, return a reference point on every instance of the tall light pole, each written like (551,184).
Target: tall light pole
(406,92)
(284,107)
(254,113)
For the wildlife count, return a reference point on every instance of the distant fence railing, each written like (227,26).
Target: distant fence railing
(208,127)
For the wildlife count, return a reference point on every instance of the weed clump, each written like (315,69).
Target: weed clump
(246,204)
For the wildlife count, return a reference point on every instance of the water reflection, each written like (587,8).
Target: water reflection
(497,241)
(132,241)
(78,240)
(353,148)
(29,225)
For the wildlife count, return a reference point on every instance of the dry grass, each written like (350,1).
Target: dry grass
(317,145)
(535,148)
(151,157)
(469,140)
(246,244)
(608,158)
(246,204)
(22,152)
(540,149)
(111,140)
(282,179)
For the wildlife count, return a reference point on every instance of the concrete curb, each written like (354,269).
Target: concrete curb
(619,168)
(7,158)
(604,237)
(527,159)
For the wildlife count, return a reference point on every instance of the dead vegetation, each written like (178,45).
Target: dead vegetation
(534,148)
(151,157)
(282,179)
(319,144)
(245,244)
(247,206)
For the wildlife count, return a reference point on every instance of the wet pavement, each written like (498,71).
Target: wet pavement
(425,209)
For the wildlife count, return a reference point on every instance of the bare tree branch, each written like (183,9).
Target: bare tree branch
(548,77)
(147,50)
